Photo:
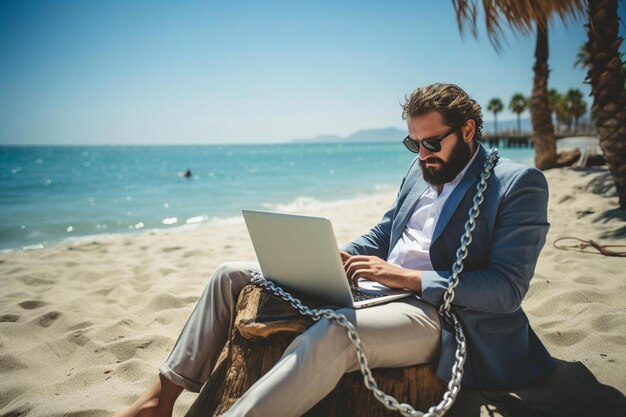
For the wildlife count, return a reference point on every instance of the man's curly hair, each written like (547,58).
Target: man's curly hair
(450,100)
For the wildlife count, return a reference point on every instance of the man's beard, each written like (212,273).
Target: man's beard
(447,171)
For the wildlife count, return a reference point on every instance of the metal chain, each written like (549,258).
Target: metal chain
(454,386)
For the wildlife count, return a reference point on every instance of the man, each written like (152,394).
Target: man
(414,247)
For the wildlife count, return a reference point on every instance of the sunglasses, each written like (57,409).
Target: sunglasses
(431,144)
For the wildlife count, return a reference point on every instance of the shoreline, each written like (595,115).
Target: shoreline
(84,325)
(300,205)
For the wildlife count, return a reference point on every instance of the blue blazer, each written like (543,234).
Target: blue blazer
(503,351)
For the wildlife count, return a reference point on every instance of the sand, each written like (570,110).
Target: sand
(84,325)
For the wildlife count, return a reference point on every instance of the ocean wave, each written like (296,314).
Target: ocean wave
(383,187)
(139,228)
(226,220)
(308,203)
(297,205)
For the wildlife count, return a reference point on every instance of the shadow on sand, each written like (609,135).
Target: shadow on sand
(603,185)
(570,390)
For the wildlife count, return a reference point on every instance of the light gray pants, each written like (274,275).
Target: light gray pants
(396,334)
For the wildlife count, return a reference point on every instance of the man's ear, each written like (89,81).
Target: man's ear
(469,129)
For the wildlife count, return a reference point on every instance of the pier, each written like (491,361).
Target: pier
(522,140)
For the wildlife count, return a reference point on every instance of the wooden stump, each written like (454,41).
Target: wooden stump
(264,326)
(567,158)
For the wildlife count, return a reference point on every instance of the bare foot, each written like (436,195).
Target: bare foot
(152,403)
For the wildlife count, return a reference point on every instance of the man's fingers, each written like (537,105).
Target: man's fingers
(354,267)
(356,270)
(363,273)
(359,266)
(356,258)
(344,256)
(361,257)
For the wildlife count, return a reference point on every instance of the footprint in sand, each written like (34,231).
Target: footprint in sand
(80,325)
(9,318)
(139,269)
(36,282)
(103,292)
(166,271)
(191,253)
(165,300)
(32,304)
(605,323)
(78,338)
(9,363)
(566,337)
(585,279)
(125,350)
(171,249)
(47,319)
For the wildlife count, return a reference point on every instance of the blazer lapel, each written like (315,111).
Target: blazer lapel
(471,176)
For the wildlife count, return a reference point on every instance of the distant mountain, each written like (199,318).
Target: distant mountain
(386,134)
(392,134)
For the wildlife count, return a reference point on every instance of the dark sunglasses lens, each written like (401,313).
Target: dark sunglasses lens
(433,145)
(411,145)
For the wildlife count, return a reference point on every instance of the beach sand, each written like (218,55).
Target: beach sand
(84,325)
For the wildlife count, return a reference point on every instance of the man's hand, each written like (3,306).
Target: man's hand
(376,269)
(344,256)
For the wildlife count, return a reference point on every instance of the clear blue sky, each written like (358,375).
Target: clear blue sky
(139,72)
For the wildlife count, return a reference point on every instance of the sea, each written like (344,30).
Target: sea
(50,194)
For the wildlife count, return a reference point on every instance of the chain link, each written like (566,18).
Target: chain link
(454,385)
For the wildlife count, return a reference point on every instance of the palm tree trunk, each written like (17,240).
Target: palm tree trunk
(540,114)
(606,75)
(495,118)
(519,123)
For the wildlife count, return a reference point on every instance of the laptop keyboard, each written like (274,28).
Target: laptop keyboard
(361,296)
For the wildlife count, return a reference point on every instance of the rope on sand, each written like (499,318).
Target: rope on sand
(584,244)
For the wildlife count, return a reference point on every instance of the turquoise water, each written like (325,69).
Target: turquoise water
(51,193)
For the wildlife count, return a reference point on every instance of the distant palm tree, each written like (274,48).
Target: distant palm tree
(518,105)
(557,107)
(495,106)
(607,78)
(563,113)
(576,105)
(582,56)
(525,17)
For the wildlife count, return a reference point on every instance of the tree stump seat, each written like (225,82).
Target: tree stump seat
(264,326)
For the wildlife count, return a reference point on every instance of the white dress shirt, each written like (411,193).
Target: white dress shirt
(412,249)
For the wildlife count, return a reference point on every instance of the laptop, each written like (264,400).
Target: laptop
(300,254)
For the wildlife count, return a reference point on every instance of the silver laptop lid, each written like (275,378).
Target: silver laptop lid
(300,253)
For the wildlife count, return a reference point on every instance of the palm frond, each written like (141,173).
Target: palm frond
(520,15)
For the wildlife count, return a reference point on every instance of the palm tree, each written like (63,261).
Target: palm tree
(553,99)
(559,109)
(606,75)
(525,16)
(576,105)
(518,105)
(495,106)
(563,113)
(582,56)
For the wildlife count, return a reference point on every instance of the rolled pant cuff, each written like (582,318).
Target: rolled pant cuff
(181,381)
